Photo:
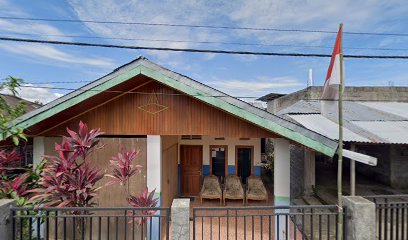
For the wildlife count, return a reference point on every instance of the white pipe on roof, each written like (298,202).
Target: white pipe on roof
(310,80)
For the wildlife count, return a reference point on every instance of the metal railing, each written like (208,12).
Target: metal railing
(391,216)
(265,222)
(90,223)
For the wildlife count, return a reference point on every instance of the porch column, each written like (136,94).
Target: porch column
(38,150)
(309,172)
(281,171)
(281,182)
(154,163)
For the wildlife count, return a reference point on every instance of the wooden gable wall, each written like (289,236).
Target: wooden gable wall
(182,115)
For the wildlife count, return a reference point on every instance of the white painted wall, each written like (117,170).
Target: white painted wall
(281,168)
(38,150)
(206,141)
(281,183)
(154,162)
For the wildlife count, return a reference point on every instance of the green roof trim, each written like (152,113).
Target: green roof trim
(219,103)
(183,84)
(79,98)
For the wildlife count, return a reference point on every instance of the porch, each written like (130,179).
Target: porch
(186,160)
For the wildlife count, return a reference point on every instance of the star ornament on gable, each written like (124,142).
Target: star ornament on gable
(153,106)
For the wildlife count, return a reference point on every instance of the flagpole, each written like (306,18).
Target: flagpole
(340,150)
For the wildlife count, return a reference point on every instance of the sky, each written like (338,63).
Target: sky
(240,76)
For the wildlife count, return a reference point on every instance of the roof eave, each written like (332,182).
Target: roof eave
(194,89)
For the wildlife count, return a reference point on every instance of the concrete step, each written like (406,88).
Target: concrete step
(311,200)
(327,195)
(299,201)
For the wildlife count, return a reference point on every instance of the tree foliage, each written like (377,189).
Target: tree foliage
(8,112)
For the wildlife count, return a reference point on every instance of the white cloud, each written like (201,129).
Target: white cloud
(171,11)
(54,54)
(42,95)
(296,14)
(26,28)
(255,88)
(8,9)
(44,31)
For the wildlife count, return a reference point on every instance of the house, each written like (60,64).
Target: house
(25,150)
(375,123)
(184,129)
(15,100)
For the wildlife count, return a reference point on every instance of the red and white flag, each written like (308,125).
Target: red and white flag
(331,91)
(331,86)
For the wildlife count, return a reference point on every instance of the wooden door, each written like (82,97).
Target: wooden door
(191,160)
(244,162)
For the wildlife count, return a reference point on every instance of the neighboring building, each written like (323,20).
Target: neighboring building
(26,149)
(15,100)
(184,129)
(375,123)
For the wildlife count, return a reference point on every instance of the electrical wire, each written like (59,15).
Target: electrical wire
(84,44)
(199,26)
(206,42)
(129,92)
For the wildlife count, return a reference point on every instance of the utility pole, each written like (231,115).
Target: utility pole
(352,172)
(340,151)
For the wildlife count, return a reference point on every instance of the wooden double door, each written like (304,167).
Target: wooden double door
(191,162)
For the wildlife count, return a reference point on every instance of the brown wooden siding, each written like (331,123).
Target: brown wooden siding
(169,180)
(114,195)
(183,116)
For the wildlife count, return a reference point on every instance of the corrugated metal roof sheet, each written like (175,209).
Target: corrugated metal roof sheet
(301,107)
(376,122)
(395,108)
(393,132)
(354,110)
(326,127)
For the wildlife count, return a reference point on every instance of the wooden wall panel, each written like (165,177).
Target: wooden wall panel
(111,196)
(183,116)
(169,183)
(115,195)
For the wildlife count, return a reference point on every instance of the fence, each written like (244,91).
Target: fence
(90,223)
(391,216)
(265,222)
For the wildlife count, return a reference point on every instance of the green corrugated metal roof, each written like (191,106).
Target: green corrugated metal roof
(190,87)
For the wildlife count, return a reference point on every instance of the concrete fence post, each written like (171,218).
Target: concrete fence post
(5,218)
(360,218)
(180,219)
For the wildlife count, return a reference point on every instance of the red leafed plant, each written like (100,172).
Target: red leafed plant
(67,179)
(83,142)
(122,166)
(7,157)
(144,200)
(17,186)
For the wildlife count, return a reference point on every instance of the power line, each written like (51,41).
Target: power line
(83,44)
(200,26)
(207,42)
(57,82)
(131,92)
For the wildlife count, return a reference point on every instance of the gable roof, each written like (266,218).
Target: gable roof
(15,100)
(363,121)
(197,90)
